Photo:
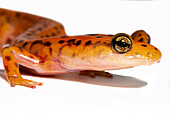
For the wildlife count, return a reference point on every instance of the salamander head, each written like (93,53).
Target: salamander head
(109,53)
(133,53)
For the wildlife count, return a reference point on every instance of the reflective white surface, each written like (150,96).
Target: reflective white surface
(98,16)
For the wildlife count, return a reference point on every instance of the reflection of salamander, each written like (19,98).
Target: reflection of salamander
(42,46)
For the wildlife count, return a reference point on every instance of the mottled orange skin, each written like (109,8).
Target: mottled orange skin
(41,46)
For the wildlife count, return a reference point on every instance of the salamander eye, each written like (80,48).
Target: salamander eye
(121,43)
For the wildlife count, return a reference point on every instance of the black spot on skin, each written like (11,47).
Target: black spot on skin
(59,32)
(47,35)
(36,42)
(144,45)
(20,41)
(140,40)
(33,32)
(8,58)
(88,43)
(71,40)
(98,42)
(40,29)
(105,43)
(140,35)
(50,50)
(47,43)
(24,44)
(45,25)
(92,34)
(77,43)
(2,13)
(53,34)
(42,37)
(31,57)
(16,65)
(28,34)
(63,36)
(61,41)
(99,36)
(156,48)
(17,15)
(6,68)
(8,19)
(55,28)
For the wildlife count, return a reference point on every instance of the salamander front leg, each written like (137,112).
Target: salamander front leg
(11,57)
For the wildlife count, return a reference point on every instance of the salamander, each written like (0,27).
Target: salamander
(41,46)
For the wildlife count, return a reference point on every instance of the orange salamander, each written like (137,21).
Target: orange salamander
(41,46)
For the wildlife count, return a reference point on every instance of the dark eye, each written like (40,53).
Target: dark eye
(121,43)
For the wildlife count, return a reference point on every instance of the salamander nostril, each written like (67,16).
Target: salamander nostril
(149,54)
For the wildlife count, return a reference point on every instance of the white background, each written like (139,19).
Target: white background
(97,16)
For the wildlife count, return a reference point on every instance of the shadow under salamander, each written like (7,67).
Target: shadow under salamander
(116,81)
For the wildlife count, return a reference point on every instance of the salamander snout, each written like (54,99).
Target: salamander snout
(153,56)
(146,54)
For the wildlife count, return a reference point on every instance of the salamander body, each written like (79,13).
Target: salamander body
(41,46)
